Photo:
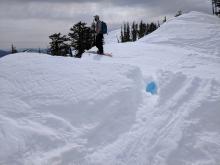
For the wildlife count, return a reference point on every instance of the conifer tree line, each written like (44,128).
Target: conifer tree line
(216,7)
(136,31)
(82,37)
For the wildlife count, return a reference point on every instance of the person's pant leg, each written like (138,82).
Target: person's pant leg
(99,42)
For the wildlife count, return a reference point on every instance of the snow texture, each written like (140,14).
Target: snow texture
(95,110)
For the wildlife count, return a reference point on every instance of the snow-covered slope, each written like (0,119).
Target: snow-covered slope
(95,110)
(112,36)
(195,31)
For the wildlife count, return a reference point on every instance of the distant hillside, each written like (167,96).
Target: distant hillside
(28,50)
(3,53)
(32,50)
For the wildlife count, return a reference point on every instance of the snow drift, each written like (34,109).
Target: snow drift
(47,102)
(96,110)
(195,31)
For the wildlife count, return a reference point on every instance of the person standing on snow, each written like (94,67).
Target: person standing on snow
(99,35)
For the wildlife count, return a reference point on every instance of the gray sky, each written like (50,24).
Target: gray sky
(28,23)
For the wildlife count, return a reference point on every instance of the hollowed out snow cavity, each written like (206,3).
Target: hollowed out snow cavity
(151,88)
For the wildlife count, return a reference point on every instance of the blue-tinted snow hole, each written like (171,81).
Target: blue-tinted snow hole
(151,88)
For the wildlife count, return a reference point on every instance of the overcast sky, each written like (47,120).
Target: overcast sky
(28,23)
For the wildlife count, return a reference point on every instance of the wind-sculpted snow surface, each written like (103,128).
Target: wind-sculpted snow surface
(195,31)
(96,110)
(58,109)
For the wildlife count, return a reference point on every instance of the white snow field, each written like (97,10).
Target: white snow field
(96,111)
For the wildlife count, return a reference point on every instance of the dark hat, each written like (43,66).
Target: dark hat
(96,16)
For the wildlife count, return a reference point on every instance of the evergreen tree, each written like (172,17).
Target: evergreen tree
(81,38)
(76,37)
(122,35)
(88,39)
(13,49)
(134,31)
(152,27)
(142,30)
(128,36)
(145,29)
(136,27)
(125,33)
(65,46)
(216,7)
(54,44)
(59,45)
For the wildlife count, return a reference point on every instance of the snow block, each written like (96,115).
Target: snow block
(152,88)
